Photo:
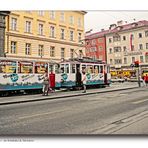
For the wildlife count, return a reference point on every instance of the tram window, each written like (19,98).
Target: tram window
(62,68)
(96,69)
(101,68)
(56,68)
(50,68)
(41,67)
(73,68)
(90,68)
(108,69)
(84,68)
(67,68)
(7,67)
(25,67)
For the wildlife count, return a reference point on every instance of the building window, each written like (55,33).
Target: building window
(62,53)
(116,38)
(79,37)
(124,48)
(125,60)
(52,15)
(62,33)
(28,49)
(133,59)
(71,53)
(71,20)
(146,45)
(117,49)
(52,31)
(124,38)
(140,35)
(13,47)
(41,13)
(146,33)
(118,61)
(133,48)
(141,59)
(100,40)
(79,22)
(132,36)
(140,46)
(110,40)
(146,58)
(41,50)
(80,53)
(52,51)
(13,24)
(28,27)
(110,50)
(40,29)
(100,48)
(71,35)
(111,61)
(62,17)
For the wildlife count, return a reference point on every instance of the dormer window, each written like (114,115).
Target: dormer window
(134,24)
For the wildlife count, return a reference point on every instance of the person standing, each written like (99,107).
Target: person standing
(146,79)
(84,81)
(78,79)
(46,85)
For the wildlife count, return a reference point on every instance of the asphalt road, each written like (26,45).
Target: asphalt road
(105,113)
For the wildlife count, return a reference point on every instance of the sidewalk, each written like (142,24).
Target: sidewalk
(58,95)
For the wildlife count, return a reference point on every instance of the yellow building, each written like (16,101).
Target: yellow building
(50,35)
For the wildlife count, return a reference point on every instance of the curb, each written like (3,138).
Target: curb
(66,96)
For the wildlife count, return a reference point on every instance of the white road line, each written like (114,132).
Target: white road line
(46,113)
(140,101)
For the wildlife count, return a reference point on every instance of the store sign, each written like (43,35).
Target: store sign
(133,53)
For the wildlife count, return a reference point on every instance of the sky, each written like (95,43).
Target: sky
(98,20)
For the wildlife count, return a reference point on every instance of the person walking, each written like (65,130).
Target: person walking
(146,79)
(84,81)
(46,85)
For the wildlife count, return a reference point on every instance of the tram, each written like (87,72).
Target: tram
(25,75)
(97,72)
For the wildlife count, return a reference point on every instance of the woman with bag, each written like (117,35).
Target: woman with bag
(46,85)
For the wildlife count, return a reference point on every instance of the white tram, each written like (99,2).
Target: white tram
(97,72)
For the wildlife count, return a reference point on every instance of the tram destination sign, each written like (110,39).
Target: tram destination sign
(133,53)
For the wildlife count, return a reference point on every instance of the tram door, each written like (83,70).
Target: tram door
(78,75)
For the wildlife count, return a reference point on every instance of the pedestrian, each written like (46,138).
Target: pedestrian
(143,81)
(78,79)
(52,82)
(46,85)
(84,80)
(146,79)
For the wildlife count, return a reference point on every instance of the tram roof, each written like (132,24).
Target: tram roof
(84,60)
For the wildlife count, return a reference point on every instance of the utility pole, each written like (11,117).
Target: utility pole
(3,14)
(138,73)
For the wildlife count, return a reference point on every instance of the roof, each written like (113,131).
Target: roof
(97,34)
(129,26)
(117,29)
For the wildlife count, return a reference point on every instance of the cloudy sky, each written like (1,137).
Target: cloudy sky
(98,20)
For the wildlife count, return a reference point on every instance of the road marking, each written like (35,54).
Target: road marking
(46,113)
(140,101)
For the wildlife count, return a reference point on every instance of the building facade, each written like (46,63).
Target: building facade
(126,44)
(95,45)
(46,35)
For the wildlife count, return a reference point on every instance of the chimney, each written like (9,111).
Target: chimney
(102,30)
(120,23)
(112,26)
